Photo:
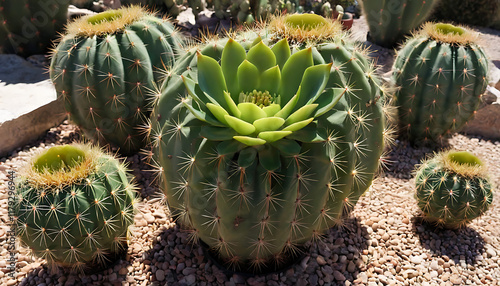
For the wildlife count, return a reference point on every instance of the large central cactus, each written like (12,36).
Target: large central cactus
(255,159)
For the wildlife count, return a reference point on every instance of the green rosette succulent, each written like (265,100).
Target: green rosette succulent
(254,158)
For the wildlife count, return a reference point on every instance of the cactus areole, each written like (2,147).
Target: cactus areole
(75,205)
(106,70)
(255,158)
(453,188)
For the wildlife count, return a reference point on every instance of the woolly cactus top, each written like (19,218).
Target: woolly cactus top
(463,163)
(261,96)
(309,28)
(448,33)
(61,165)
(108,22)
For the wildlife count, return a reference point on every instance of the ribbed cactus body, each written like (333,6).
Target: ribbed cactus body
(439,85)
(254,204)
(108,81)
(28,27)
(390,21)
(449,194)
(76,216)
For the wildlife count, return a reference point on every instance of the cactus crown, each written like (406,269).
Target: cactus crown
(62,165)
(448,33)
(108,22)
(463,163)
(306,28)
(59,158)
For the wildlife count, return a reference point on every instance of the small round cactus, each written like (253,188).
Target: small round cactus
(75,205)
(453,188)
(106,69)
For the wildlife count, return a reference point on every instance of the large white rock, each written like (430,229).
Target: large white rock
(28,103)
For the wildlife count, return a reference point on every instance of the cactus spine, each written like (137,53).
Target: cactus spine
(28,27)
(390,21)
(289,183)
(440,75)
(453,188)
(75,205)
(106,68)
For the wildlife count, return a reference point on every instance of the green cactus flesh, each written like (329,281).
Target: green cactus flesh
(28,27)
(107,80)
(259,156)
(59,157)
(439,85)
(75,216)
(390,21)
(452,196)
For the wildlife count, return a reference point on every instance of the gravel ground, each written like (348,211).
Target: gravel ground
(384,241)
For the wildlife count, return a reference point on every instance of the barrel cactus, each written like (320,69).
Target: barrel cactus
(440,75)
(257,153)
(390,21)
(75,205)
(28,27)
(106,70)
(453,188)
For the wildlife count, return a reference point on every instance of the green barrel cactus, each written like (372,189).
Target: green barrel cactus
(257,147)
(75,205)
(453,188)
(106,70)
(469,12)
(440,76)
(390,21)
(28,27)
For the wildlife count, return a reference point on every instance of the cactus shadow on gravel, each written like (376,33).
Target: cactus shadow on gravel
(192,262)
(71,277)
(453,243)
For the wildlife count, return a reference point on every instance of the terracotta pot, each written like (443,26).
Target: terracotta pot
(347,21)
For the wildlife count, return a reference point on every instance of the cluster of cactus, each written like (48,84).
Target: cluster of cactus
(75,205)
(390,21)
(106,70)
(28,27)
(247,11)
(259,153)
(453,188)
(440,75)
(469,12)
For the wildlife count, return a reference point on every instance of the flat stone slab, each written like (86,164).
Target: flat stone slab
(28,103)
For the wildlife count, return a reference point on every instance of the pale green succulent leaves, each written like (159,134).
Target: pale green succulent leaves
(258,97)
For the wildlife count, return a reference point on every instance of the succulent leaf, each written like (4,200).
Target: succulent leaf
(248,76)
(262,57)
(232,56)
(269,124)
(242,127)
